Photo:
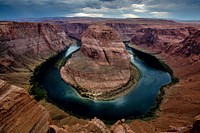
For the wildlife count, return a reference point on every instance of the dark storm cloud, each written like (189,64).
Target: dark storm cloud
(181,9)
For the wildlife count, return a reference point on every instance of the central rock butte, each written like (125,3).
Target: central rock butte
(101,66)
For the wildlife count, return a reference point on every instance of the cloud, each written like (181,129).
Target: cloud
(160,14)
(96,10)
(85,15)
(130,16)
(183,9)
(139,7)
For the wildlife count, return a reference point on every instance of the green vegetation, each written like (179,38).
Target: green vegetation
(36,90)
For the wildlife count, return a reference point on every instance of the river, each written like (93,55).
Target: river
(136,103)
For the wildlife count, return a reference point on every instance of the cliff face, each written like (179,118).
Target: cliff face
(190,47)
(157,37)
(103,45)
(19,41)
(149,37)
(102,64)
(75,29)
(159,32)
(19,112)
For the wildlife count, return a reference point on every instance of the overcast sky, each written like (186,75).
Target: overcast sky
(174,9)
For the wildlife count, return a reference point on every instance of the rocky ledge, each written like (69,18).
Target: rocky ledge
(21,113)
(101,66)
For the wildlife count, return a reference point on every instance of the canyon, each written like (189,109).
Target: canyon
(24,45)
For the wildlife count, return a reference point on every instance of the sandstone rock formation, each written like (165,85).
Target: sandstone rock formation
(190,47)
(120,127)
(95,125)
(19,112)
(192,30)
(156,36)
(102,65)
(196,125)
(75,29)
(20,42)
(150,37)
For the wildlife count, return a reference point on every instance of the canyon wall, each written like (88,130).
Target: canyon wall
(189,47)
(22,41)
(126,28)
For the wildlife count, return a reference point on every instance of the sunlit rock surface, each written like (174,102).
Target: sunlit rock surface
(102,64)
(19,112)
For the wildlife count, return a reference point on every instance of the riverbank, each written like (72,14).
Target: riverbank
(155,62)
(179,101)
(158,64)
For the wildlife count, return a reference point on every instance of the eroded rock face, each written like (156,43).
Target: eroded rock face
(101,65)
(22,41)
(103,45)
(19,112)
(189,47)
(150,37)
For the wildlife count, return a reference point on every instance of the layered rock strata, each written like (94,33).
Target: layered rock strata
(102,65)
(189,47)
(21,42)
(19,112)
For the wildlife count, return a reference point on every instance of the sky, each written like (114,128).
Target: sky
(169,9)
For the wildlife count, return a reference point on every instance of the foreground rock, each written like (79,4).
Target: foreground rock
(196,125)
(19,112)
(101,66)
(93,126)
